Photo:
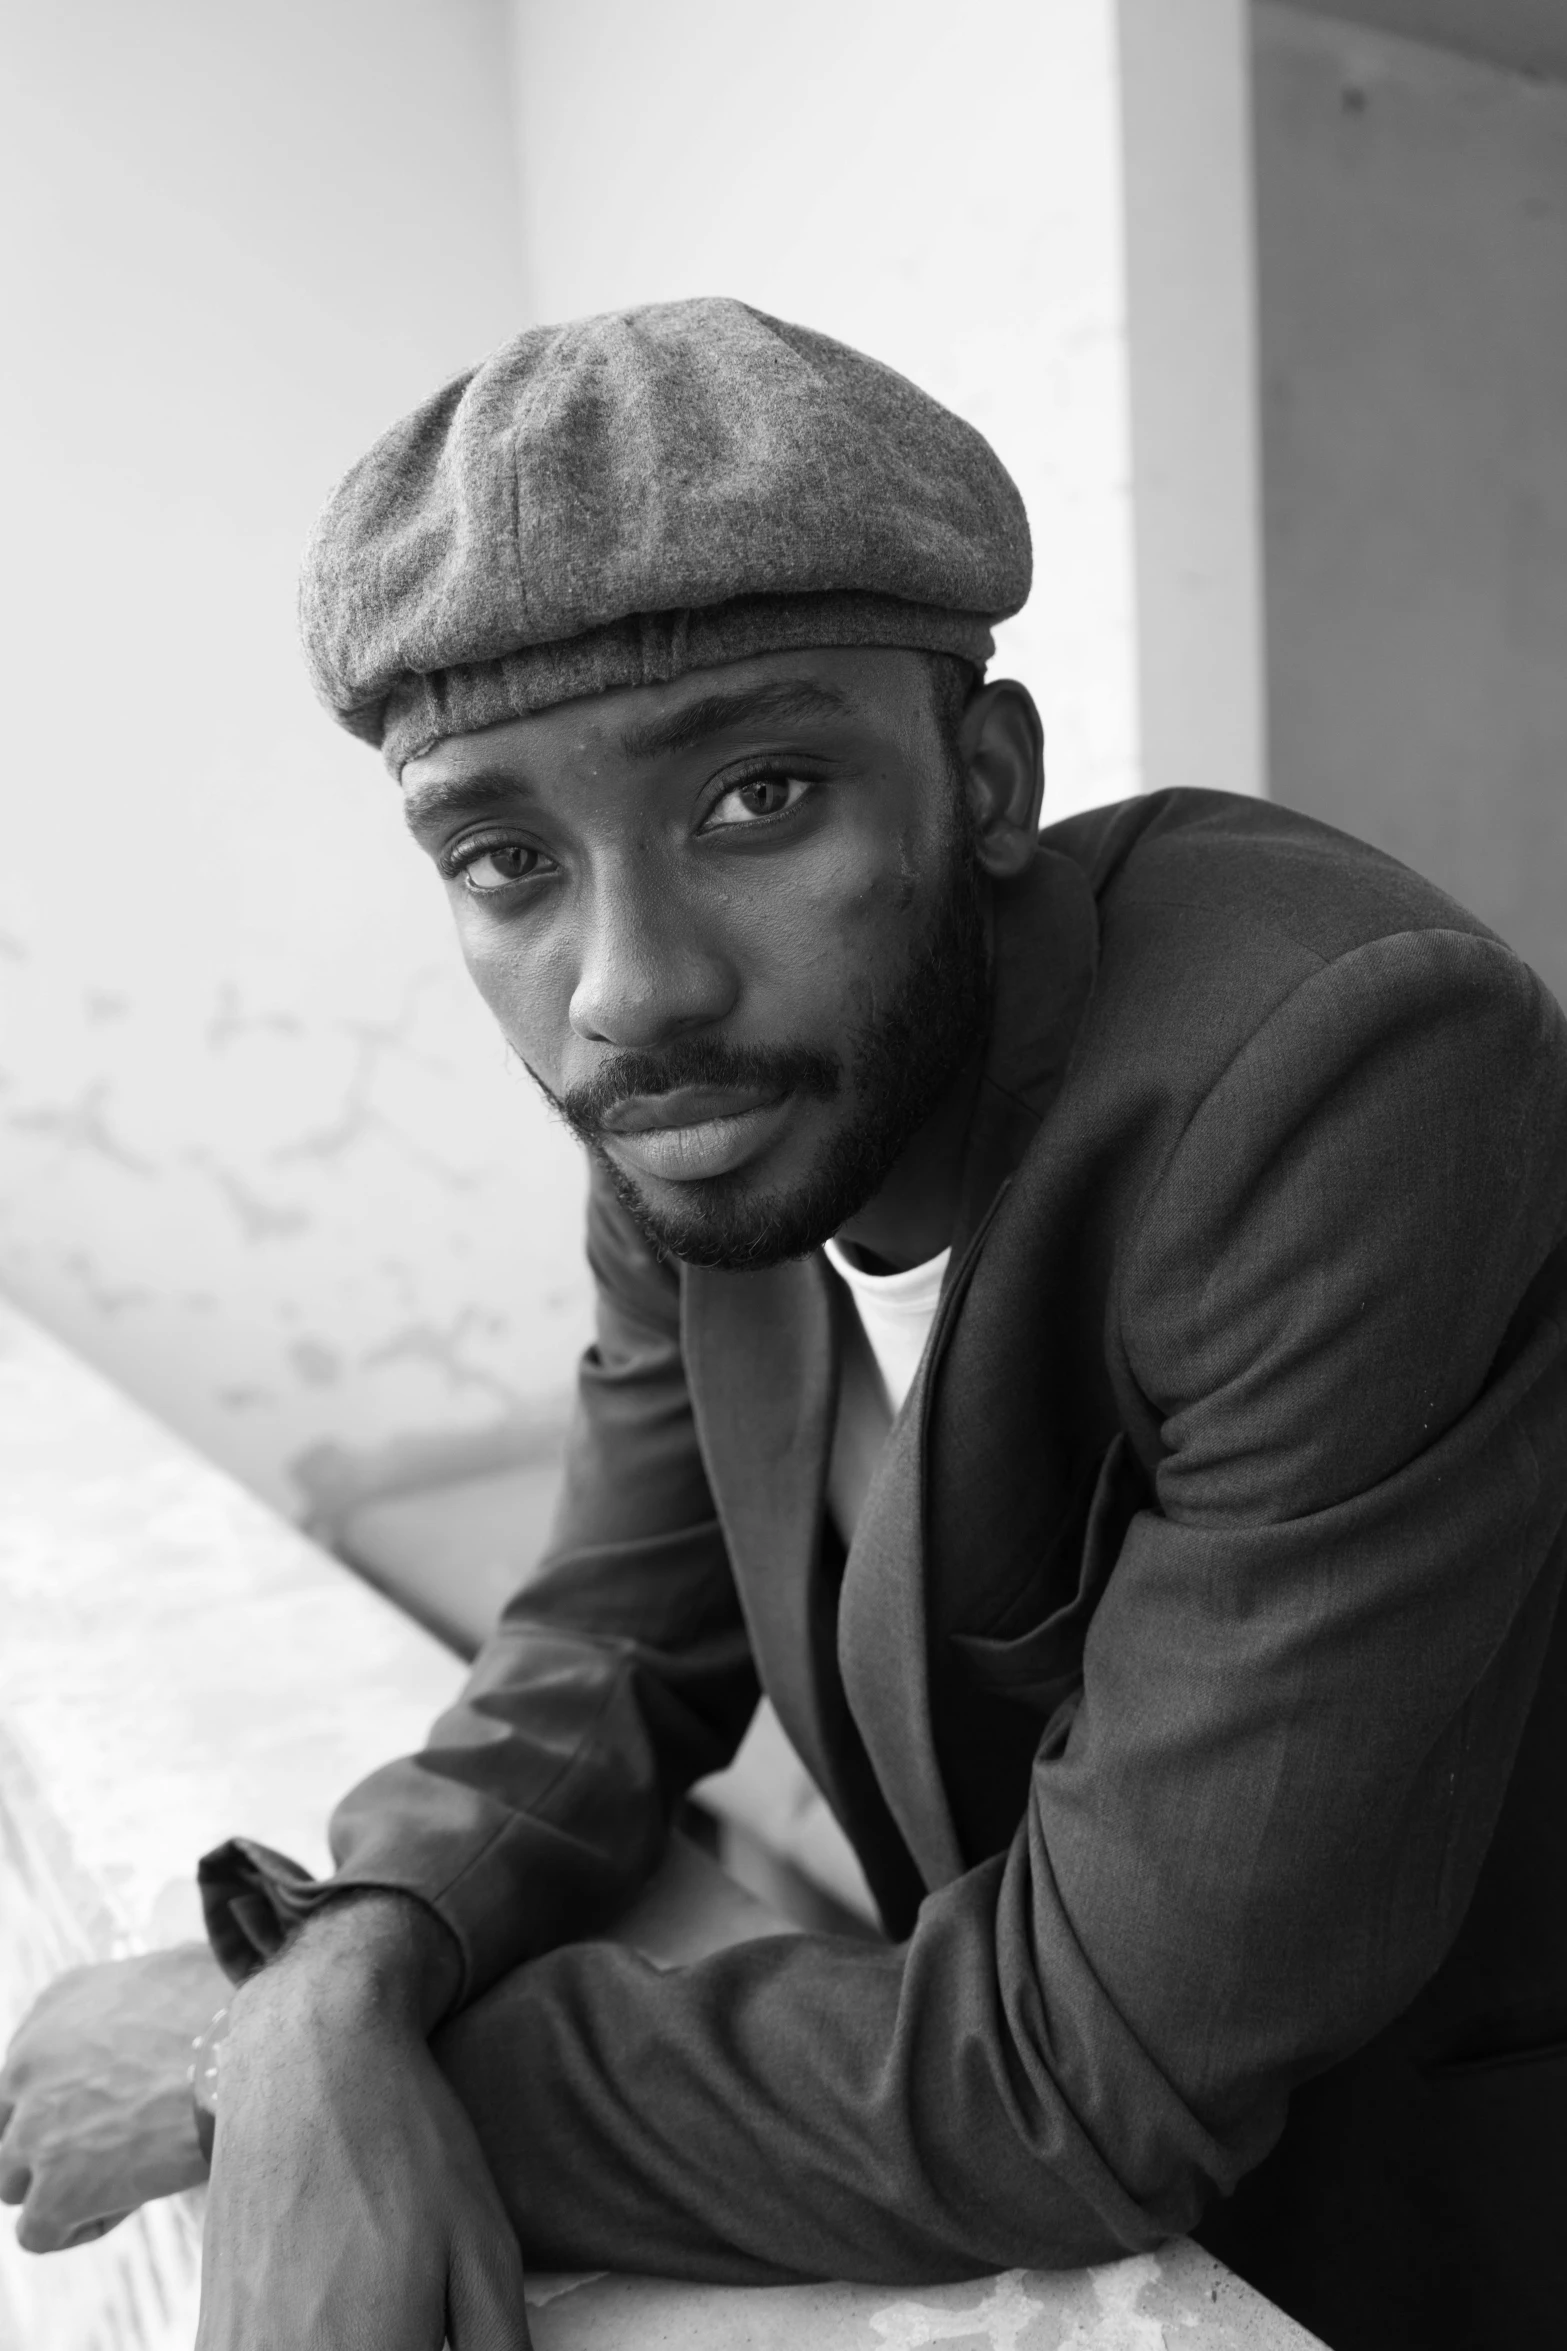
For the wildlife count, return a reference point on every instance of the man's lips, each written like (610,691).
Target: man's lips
(692,1132)
(683,1106)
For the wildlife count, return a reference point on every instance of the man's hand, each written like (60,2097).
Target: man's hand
(351,2208)
(95,2105)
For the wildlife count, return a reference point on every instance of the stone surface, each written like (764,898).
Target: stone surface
(1175,2300)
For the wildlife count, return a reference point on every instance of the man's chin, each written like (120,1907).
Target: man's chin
(729,1223)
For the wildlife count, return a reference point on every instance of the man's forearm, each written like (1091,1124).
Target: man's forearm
(349,2200)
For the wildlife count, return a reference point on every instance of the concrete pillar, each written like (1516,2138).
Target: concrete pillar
(1192,376)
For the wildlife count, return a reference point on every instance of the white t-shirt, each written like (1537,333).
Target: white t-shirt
(895,1313)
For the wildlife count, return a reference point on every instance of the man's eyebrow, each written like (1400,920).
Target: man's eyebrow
(773,704)
(469,795)
(684,730)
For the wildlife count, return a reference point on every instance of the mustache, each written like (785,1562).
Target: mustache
(693,1061)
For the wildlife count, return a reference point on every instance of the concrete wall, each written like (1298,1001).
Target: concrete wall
(1412,226)
(260,1154)
(261,1157)
(1039,209)
(938,185)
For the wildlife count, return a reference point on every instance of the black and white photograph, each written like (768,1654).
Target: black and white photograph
(783,1175)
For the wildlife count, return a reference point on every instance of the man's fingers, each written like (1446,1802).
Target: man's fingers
(58,2210)
(47,2224)
(15,2177)
(13,2080)
(85,2231)
(485,2310)
(42,2228)
(40,2236)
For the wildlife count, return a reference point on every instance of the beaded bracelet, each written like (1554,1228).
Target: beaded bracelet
(207,2050)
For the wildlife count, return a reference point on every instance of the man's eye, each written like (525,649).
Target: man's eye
(497,867)
(762,796)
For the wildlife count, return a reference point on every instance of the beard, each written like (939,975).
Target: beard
(895,1068)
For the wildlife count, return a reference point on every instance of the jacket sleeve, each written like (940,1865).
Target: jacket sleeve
(1343,1302)
(617,1676)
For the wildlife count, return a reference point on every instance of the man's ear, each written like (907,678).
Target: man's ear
(1001,745)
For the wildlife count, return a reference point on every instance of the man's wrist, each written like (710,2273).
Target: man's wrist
(378,1956)
(205,2064)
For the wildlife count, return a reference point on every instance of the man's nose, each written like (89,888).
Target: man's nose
(646,970)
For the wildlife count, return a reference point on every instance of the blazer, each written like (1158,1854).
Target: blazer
(1189,1691)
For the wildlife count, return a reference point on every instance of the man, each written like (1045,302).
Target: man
(1080,1321)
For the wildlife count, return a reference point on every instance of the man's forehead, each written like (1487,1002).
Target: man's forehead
(641,724)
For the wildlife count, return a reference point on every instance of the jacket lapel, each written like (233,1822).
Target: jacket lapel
(761,1358)
(760,1361)
(1045,952)
(882,1647)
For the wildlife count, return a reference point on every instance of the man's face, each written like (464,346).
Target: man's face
(731,925)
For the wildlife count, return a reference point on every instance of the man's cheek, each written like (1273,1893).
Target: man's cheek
(874,968)
(820,909)
(859,943)
(531,1006)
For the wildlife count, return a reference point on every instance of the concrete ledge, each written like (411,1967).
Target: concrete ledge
(179,1665)
(1178,2299)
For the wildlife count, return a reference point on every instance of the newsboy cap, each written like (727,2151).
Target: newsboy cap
(619,500)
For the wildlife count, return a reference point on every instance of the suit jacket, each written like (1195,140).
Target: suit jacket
(1189,1689)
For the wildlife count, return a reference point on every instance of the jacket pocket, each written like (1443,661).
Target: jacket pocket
(1042,1665)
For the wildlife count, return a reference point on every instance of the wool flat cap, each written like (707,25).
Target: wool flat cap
(616,501)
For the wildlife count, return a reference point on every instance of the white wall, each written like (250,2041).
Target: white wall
(1413,237)
(938,185)
(260,1156)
